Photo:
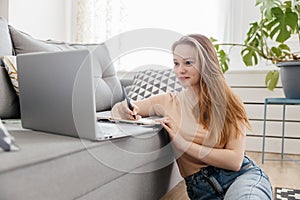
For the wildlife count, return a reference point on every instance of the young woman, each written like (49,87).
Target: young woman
(206,123)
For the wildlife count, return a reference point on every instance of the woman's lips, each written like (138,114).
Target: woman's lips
(183,78)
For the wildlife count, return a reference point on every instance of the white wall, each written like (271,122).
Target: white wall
(43,19)
(54,19)
(4,8)
(249,86)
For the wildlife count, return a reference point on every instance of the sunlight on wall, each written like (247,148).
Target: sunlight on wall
(192,16)
(43,19)
(145,59)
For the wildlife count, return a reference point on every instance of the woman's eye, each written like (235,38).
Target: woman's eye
(188,62)
(176,63)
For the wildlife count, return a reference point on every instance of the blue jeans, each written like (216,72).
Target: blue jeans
(250,182)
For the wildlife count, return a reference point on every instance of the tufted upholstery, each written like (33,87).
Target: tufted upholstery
(107,85)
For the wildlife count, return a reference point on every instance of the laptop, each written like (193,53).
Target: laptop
(57,95)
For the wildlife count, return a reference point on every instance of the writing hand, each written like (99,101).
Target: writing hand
(130,106)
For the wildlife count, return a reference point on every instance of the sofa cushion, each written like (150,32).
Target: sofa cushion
(63,167)
(9,101)
(24,43)
(151,82)
(10,63)
(107,85)
(9,106)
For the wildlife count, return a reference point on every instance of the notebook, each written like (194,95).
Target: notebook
(57,96)
(147,121)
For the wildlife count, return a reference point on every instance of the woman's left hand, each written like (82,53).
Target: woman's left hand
(178,141)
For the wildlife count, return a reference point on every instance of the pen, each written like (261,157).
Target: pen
(128,101)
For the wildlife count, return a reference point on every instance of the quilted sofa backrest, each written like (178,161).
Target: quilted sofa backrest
(107,85)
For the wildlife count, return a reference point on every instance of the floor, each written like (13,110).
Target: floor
(281,173)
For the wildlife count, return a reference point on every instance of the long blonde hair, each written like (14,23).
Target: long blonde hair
(219,110)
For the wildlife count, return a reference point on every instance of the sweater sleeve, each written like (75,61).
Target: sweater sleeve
(156,105)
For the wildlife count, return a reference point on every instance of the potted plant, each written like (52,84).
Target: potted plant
(268,39)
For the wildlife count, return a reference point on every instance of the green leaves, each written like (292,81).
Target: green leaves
(250,57)
(278,22)
(223,60)
(281,52)
(272,79)
(267,38)
(266,6)
(222,56)
(297,6)
(284,23)
(250,52)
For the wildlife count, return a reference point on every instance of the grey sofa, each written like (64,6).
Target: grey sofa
(51,166)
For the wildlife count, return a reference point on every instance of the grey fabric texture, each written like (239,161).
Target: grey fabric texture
(150,82)
(137,186)
(107,85)
(39,147)
(9,106)
(5,41)
(9,101)
(64,167)
(24,43)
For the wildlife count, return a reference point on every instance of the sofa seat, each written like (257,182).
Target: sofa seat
(51,166)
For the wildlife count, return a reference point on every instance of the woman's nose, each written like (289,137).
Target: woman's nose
(181,68)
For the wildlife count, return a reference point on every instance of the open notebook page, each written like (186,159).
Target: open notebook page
(106,115)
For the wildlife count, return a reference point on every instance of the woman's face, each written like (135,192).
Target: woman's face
(185,66)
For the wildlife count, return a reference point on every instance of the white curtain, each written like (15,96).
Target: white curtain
(98,20)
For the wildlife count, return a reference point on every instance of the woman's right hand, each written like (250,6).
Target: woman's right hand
(121,110)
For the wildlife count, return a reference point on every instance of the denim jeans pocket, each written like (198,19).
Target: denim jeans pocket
(199,185)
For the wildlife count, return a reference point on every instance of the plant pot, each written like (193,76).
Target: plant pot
(290,79)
